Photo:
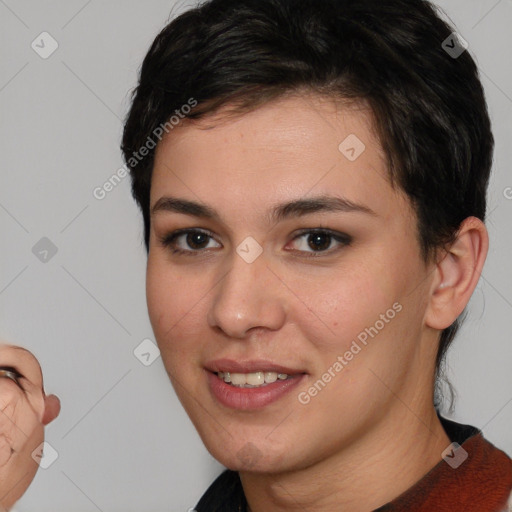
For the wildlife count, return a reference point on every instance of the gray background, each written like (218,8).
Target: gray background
(123,440)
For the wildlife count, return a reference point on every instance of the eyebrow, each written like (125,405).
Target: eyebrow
(297,208)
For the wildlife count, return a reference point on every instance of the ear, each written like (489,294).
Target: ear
(457,274)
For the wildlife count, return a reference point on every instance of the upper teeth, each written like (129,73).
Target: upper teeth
(251,379)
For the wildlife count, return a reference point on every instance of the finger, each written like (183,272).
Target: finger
(51,409)
(10,395)
(13,409)
(5,450)
(23,361)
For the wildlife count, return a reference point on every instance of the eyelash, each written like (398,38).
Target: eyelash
(341,238)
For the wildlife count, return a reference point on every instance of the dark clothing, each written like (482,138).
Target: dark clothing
(482,483)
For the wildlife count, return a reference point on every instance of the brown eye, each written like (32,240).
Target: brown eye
(196,240)
(192,241)
(320,240)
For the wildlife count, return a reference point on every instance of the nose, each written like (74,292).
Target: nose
(250,296)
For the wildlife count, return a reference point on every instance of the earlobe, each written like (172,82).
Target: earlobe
(457,274)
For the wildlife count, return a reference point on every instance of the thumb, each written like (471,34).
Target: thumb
(51,408)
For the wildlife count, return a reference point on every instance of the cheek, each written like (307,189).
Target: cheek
(165,296)
(365,325)
(175,311)
(340,306)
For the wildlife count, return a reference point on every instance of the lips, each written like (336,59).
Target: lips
(250,366)
(255,398)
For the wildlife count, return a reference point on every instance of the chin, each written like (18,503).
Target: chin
(250,456)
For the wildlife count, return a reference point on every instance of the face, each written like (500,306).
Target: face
(329,292)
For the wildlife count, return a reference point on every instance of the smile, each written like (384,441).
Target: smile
(253,379)
(241,395)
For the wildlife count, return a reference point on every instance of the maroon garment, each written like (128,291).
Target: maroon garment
(482,482)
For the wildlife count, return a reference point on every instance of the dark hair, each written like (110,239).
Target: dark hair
(427,102)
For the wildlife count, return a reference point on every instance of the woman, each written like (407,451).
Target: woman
(313,217)
(312,180)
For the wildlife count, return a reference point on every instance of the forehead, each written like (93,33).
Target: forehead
(298,145)
(295,120)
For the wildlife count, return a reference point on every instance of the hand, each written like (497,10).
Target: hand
(24,411)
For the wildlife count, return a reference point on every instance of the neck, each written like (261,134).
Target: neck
(374,470)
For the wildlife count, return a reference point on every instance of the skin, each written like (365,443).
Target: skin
(374,425)
(23,416)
